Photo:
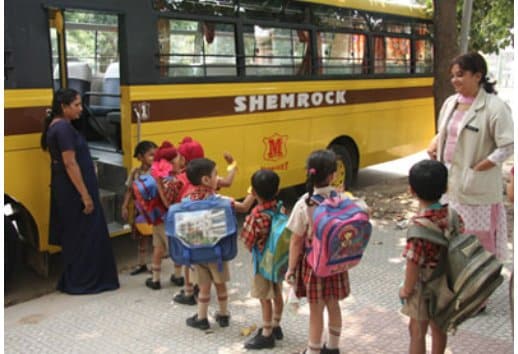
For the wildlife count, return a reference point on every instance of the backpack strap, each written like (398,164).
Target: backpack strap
(424,229)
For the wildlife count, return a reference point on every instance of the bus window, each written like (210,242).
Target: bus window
(86,43)
(273,51)
(424,56)
(196,48)
(391,55)
(213,8)
(342,53)
(333,17)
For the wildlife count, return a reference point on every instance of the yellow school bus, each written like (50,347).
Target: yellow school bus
(267,81)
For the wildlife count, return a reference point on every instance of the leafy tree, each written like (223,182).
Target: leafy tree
(491,30)
(491,25)
(492,22)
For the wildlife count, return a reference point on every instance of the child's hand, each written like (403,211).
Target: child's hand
(290,277)
(124,213)
(228,158)
(403,294)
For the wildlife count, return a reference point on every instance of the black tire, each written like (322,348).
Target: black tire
(11,249)
(345,169)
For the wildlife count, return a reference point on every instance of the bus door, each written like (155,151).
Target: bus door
(85,57)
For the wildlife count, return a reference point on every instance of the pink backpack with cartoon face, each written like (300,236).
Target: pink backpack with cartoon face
(341,231)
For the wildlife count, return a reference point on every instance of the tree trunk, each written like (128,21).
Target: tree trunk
(445,49)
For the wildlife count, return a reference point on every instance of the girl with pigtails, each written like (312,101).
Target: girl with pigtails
(321,293)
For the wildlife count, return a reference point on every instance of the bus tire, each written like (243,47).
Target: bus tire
(345,167)
(12,248)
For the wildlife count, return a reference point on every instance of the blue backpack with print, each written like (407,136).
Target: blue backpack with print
(272,262)
(202,231)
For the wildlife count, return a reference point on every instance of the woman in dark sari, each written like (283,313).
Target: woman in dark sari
(77,222)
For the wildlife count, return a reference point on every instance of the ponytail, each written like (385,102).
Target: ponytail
(320,165)
(310,184)
(46,123)
(488,86)
(63,96)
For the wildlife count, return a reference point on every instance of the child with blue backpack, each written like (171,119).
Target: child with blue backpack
(321,292)
(145,153)
(203,175)
(255,233)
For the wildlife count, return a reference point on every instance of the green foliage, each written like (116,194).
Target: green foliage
(491,24)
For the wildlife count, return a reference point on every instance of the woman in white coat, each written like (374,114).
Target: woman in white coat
(475,136)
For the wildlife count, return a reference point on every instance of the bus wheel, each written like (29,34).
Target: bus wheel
(344,167)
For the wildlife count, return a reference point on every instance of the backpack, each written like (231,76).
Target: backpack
(341,232)
(202,231)
(147,200)
(272,262)
(466,275)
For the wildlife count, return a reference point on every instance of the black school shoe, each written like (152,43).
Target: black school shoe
(277,332)
(223,320)
(155,285)
(140,269)
(194,322)
(183,299)
(260,342)
(325,350)
(177,281)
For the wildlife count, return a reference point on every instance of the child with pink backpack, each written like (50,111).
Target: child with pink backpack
(320,218)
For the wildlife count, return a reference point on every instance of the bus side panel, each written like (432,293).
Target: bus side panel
(264,140)
(27,176)
(382,131)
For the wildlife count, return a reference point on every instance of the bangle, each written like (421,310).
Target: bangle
(232,166)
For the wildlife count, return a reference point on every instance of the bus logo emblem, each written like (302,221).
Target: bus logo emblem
(275,147)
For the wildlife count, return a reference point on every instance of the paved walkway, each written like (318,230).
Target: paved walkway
(135,319)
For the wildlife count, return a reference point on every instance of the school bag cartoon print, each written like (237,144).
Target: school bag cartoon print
(340,233)
(202,231)
(147,200)
(272,262)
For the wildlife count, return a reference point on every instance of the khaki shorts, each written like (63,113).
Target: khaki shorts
(265,289)
(160,238)
(209,273)
(416,306)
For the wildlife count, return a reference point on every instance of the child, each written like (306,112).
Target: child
(321,293)
(162,170)
(145,153)
(203,176)
(265,184)
(428,182)
(188,150)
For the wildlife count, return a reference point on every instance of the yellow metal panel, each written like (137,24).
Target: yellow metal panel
(21,141)
(161,92)
(27,98)
(378,6)
(27,179)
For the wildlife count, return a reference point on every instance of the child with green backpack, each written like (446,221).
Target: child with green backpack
(255,235)
(428,181)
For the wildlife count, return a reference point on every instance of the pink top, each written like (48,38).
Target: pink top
(453,128)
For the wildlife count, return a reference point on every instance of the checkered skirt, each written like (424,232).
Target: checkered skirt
(316,289)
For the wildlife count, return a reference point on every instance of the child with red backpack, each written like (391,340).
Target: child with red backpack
(255,234)
(163,172)
(145,153)
(326,290)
